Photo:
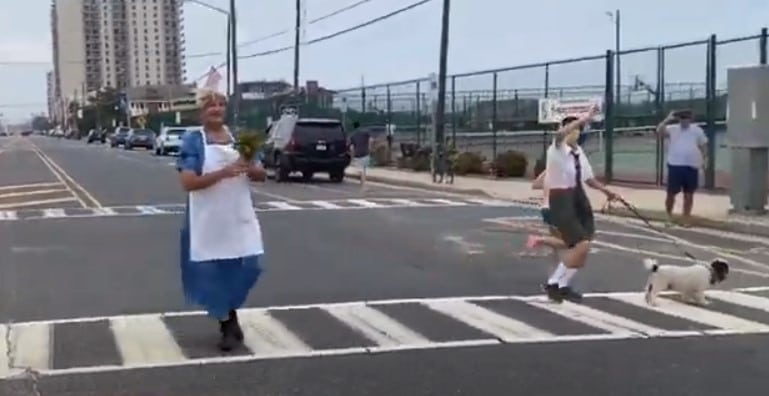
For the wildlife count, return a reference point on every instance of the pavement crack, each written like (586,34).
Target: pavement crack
(28,375)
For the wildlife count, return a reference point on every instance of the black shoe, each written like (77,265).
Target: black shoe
(568,294)
(236,329)
(228,341)
(553,292)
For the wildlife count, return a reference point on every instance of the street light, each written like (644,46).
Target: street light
(229,36)
(615,17)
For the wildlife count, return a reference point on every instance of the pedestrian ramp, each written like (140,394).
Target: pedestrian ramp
(259,206)
(104,344)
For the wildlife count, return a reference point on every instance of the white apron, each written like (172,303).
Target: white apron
(223,224)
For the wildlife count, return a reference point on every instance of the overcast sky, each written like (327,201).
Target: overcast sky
(484,34)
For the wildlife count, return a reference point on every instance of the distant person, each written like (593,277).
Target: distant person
(360,145)
(685,156)
(221,240)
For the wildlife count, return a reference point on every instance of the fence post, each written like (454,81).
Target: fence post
(710,117)
(453,112)
(547,93)
(389,126)
(608,170)
(494,118)
(764,46)
(659,104)
(362,102)
(419,114)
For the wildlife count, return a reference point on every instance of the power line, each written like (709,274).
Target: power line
(332,35)
(284,32)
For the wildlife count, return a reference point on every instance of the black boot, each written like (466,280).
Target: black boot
(236,329)
(228,341)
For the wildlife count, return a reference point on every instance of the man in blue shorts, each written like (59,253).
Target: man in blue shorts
(686,155)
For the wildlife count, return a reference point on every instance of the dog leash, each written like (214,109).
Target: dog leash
(652,227)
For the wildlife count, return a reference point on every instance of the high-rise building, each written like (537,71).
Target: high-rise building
(116,43)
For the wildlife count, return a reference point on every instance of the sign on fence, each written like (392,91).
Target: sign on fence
(552,111)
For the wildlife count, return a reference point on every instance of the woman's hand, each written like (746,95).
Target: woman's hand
(256,172)
(233,170)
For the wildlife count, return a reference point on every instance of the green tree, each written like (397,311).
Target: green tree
(40,123)
(105,103)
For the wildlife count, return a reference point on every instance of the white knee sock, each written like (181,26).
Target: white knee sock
(557,274)
(567,275)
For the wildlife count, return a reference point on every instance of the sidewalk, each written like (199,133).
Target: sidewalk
(710,210)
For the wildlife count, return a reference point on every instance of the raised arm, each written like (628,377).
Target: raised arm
(662,127)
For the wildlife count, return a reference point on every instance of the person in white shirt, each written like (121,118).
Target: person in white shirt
(571,214)
(686,155)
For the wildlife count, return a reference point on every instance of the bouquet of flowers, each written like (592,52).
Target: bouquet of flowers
(249,144)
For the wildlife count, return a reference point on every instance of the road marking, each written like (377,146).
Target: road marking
(282,205)
(144,340)
(8,215)
(5,365)
(746,300)
(53,213)
(64,175)
(376,326)
(446,202)
(271,195)
(30,347)
(264,335)
(38,203)
(104,211)
(599,319)
(502,327)
(61,178)
(404,202)
(34,192)
(32,185)
(150,210)
(326,204)
(466,246)
(701,315)
(364,203)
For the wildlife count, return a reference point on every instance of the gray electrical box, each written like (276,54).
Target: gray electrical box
(748,137)
(748,104)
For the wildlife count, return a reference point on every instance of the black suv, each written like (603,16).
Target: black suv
(308,146)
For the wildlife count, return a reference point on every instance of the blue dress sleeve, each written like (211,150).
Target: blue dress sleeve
(190,154)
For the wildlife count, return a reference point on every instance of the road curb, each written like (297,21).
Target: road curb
(653,215)
(423,185)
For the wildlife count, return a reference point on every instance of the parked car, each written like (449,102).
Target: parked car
(306,145)
(119,137)
(169,140)
(144,138)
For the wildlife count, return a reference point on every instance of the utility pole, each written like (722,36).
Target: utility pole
(234,54)
(296,44)
(440,107)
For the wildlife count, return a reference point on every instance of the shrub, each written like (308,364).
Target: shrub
(469,163)
(379,155)
(420,162)
(511,164)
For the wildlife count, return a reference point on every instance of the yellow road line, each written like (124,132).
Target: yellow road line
(35,192)
(35,203)
(61,179)
(62,175)
(31,185)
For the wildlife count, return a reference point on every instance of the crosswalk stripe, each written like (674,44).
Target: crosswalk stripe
(365,203)
(8,215)
(747,300)
(54,213)
(265,335)
(595,318)
(149,210)
(282,205)
(325,204)
(502,327)
(696,314)
(145,340)
(376,326)
(404,202)
(5,369)
(446,202)
(104,211)
(30,347)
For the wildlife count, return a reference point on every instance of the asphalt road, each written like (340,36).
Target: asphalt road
(380,291)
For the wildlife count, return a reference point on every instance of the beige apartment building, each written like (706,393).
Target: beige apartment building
(115,43)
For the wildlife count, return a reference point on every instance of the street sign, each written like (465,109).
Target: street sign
(552,111)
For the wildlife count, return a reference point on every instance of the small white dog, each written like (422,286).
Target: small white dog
(691,282)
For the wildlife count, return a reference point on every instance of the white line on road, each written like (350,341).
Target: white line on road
(104,211)
(326,204)
(34,192)
(54,213)
(144,340)
(282,205)
(364,203)
(30,347)
(149,210)
(265,335)
(271,195)
(8,215)
(37,203)
(376,326)
(32,185)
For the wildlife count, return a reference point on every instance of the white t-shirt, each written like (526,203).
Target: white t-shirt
(684,145)
(561,169)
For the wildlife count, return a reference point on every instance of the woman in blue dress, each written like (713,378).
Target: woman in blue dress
(221,241)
